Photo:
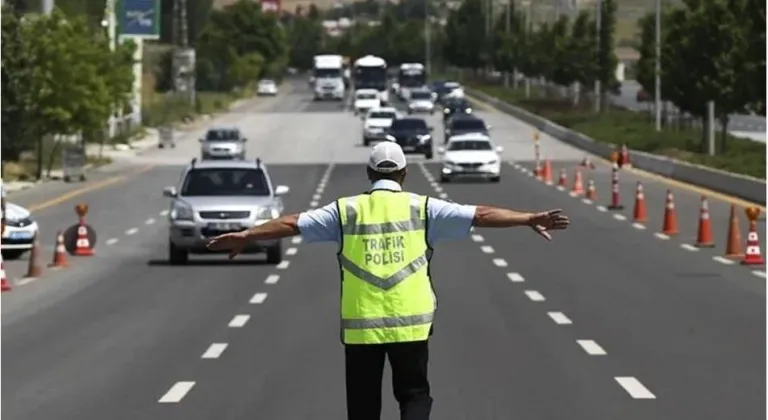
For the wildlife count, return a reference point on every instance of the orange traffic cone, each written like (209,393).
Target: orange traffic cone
(547,172)
(587,163)
(83,245)
(615,191)
(591,191)
(753,256)
(562,182)
(705,239)
(640,214)
(733,248)
(578,184)
(670,216)
(5,285)
(33,269)
(625,163)
(60,253)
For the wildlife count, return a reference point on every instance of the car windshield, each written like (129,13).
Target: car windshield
(409,124)
(421,95)
(469,145)
(382,115)
(220,182)
(366,95)
(458,104)
(452,85)
(327,73)
(222,135)
(468,124)
(266,83)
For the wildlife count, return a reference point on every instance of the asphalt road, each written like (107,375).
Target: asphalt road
(605,322)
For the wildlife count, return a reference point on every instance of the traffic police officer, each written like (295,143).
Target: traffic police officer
(387,304)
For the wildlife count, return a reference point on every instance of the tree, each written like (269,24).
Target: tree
(606,57)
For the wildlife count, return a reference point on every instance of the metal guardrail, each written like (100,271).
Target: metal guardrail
(742,186)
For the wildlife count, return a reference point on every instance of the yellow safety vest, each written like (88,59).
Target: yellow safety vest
(386,292)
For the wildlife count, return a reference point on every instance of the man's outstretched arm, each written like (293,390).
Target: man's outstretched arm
(542,223)
(282,227)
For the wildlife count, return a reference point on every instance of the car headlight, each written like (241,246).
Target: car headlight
(446,110)
(181,211)
(391,137)
(468,110)
(267,213)
(493,162)
(449,163)
(424,138)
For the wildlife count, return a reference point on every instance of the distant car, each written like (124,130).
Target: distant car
(449,90)
(223,143)
(366,99)
(464,124)
(216,197)
(376,123)
(453,106)
(471,155)
(20,231)
(413,135)
(267,88)
(421,101)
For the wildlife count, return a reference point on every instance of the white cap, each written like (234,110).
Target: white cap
(386,157)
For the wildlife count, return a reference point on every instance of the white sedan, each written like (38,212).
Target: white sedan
(470,156)
(376,123)
(20,231)
(366,99)
(267,88)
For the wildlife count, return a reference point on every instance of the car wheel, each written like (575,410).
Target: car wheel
(444,179)
(176,255)
(13,254)
(366,142)
(496,179)
(275,254)
(428,155)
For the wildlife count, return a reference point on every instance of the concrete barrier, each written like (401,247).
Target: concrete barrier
(742,186)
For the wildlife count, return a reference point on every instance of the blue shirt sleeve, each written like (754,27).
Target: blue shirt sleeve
(448,220)
(320,225)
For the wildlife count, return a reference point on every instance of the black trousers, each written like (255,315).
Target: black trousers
(364,371)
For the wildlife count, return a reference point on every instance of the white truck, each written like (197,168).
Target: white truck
(328,77)
(370,72)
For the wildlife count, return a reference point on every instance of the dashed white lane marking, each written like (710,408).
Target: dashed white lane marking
(239,321)
(313,204)
(25,280)
(534,296)
(150,221)
(443,196)
(759,273)
(214,351)
(316,197)
(438,189)
(291,251)
(131,231)
(619,216)
(296,240)
(477,238)
(515,277)
(602,209)
(638,226)
(283,265)
(111,241)
(689,247)
(177,392)
(560,188)
(661,236)
(634,388)
(591,347)
(164,213)
(500,262)
(559,318)
(272,279)
(487,249)
(258,298)
(586,201)
(723,260)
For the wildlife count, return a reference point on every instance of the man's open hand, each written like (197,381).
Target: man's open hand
(233,242)
(546,221)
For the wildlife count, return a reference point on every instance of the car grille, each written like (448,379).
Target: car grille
(408,141)
(18,223)
(470,165)
(225,214)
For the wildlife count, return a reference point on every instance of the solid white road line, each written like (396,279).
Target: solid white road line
(296,240)
(477,238)
(272,279)
(723,260)
(634,388)
(176,393)
(131,231)
(499,262)
(291,251)
(283,265)
(258,298)
(534,296)
(238,321)
(150,221)
(111,241)
(214,351)
(515,277)
(591,347)
(487,249)
(164,213)
(559,318)
(689,247)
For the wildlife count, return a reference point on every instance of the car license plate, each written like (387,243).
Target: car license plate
(224,226)
(20,235)
(409,148)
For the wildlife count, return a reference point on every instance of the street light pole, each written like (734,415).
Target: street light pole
(598,24)
(507,28)
(657,70)
(427,39)
(47,7)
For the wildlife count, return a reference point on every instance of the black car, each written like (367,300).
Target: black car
(464,124)
(413,135)
(453,106)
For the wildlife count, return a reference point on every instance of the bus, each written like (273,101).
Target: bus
(370,72)
(410,76)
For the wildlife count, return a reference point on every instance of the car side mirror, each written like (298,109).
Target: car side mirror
(245,139)
(441,150)
(431,129)
(201,140)
(499,149)
(170,192)
(281,190)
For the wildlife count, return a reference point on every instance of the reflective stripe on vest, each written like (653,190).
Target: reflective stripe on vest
(389,300)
